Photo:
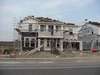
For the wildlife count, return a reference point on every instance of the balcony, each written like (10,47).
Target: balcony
(45,33)
(50,34)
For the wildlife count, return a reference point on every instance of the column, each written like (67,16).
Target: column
(30,41)
(81,46)
(35,40)
(61,45)
(45,44)
(54,26)
(46,28)
(62,27)
(39,28)
(38,44)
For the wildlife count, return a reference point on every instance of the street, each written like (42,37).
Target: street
(51,67)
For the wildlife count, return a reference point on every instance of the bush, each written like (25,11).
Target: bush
(8,50)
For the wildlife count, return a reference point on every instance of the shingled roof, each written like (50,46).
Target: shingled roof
(44,19)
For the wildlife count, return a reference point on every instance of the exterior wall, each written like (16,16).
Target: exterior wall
(66,28)
(95,28)
(25,25)
(88,35)
(76,29)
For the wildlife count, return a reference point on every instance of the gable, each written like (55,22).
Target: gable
(86,30)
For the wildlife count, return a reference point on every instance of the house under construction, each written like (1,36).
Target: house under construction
(46,34)
(89,34)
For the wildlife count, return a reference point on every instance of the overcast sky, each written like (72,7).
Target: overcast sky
(64,10)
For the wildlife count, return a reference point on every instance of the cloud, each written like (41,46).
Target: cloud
(44,6)
(51,4)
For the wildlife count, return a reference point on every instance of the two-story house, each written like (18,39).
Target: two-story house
(44,34)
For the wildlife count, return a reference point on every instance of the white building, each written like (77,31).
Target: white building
(89,34)
(46,34)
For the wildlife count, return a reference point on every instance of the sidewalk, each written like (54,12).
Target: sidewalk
(94,58)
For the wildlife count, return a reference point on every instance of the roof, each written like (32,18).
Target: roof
(44,19)
(94,23)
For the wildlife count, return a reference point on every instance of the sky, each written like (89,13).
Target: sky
(11,11)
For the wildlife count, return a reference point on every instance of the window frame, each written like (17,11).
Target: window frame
(42,28)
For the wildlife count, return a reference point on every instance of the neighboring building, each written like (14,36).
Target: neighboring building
(90,35)
(46,34)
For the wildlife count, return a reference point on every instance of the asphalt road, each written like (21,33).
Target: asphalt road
(75,67)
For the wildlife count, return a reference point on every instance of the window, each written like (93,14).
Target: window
(30,27)
(33,43)
(58,28)
(27,42)
(48,42)
(42,27)
(51,29)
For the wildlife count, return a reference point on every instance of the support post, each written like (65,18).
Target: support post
(46,28)
(45,44)
(61,45)
(81,46)
(38,44)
